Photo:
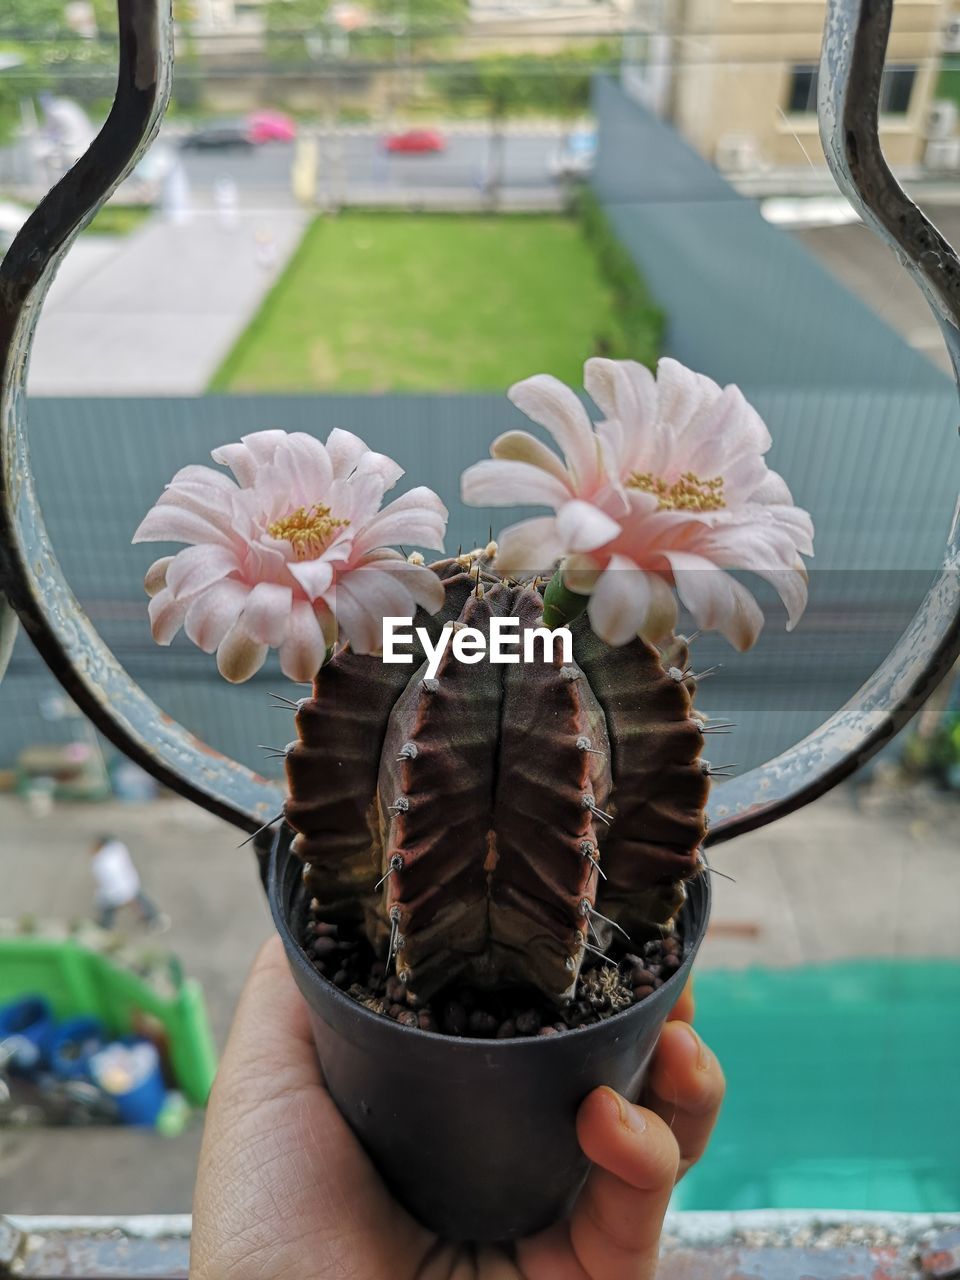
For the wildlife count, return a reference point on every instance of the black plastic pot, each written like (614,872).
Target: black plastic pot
(475,1137)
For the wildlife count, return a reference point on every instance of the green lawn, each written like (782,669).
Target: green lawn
(400,302)
(118,220)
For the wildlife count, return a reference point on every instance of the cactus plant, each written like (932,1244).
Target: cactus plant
(499,822)
(493,823)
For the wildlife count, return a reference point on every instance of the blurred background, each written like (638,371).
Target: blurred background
(378,215)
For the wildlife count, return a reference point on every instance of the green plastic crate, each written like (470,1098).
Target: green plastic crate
(76,980)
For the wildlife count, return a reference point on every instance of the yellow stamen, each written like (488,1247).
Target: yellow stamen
(307,529)
(689,493)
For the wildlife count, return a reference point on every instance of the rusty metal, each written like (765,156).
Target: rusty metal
(30,573)
(853,54)
(851,66)
(775,1244)
(154,1247)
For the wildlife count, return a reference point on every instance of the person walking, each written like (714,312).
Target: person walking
(118,884)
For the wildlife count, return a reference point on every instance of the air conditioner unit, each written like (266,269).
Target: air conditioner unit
(950,36)
(942,154)
(736,153)
(942,119)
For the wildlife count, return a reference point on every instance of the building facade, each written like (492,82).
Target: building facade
(738,78)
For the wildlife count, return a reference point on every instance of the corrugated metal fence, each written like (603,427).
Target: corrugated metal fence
(881,497)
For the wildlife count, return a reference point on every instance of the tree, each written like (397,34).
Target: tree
(511,85)
(290,23)
(36,33)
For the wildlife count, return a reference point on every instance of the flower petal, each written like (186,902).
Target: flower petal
(385,469)
(723,431)
(550,402)
(166,616)
(620,602)
(496,482)
(315,576)
(717,601)
(680,393)
(361,600)
(425,588)
(212,505)
(345,450)
(212,614)
(521,446)
(204,477)
(417,517)
(791,587)
(583,527)
(532,546)
(661,620)
(263,445)
(246,458)
(303,650)
(623,389)
(174,524)
(196,568)
(772,490)
(155,578)
(266,613)
(312,463)
(239,656)
(580,574)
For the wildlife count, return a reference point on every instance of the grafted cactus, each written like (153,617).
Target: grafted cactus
(496,822)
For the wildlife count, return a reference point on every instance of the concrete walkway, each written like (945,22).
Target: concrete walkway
(156,312)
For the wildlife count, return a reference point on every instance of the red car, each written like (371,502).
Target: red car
(270,126)
(415,141)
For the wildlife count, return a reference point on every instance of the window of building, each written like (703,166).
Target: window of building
(803,90)
(895,90)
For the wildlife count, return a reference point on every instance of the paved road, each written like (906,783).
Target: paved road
(346,158)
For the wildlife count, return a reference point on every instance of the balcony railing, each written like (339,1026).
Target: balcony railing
(35,587)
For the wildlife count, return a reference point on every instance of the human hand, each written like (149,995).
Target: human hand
(285,1191)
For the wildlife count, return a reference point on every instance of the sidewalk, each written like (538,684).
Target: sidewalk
(158,314)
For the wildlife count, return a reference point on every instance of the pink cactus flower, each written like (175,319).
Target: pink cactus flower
(667,492)
(290,554)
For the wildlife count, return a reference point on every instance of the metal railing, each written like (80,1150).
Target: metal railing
(32,580)
(35,587)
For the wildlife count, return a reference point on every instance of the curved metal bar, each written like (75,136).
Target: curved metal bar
(851,66)
(8,633)
(852,63)
(30,574)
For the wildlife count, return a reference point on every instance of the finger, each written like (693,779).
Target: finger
(683,1010)
(685,1087)
(616,1222)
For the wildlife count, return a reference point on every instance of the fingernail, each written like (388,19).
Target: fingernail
(631,1117)
(704,1056)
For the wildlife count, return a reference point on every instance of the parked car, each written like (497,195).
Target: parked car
(270,126)
(415,141)
(253,130)
(575,156)
(218,135)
